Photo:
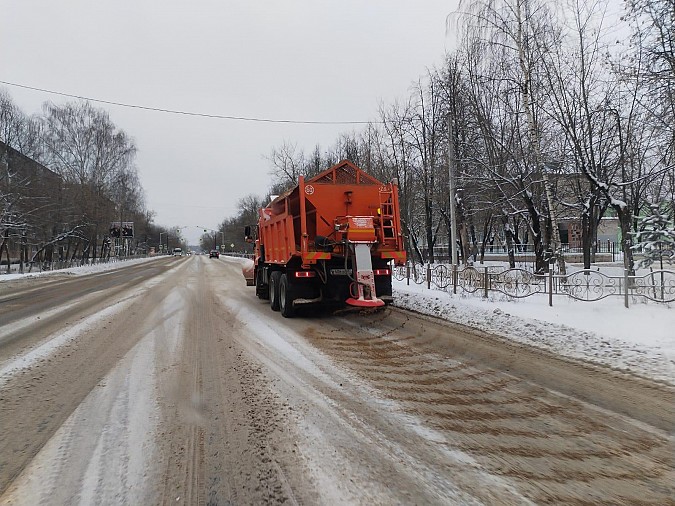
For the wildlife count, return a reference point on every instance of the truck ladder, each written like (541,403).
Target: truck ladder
(387,230)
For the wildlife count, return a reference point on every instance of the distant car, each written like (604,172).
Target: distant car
(177,252)
(214,254)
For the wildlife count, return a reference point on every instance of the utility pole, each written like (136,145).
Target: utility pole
(451,188)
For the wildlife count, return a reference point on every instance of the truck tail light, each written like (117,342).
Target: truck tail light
(382,272)
(305,274)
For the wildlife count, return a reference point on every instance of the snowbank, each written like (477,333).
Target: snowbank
(79,271)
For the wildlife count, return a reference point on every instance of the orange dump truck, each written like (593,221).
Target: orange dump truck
(329,240)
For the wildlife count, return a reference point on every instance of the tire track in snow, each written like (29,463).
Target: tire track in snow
(552,447)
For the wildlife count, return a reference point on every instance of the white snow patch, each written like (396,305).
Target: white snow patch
(11,328)
(25,360)
(105,451)
(279,338)
(48,346)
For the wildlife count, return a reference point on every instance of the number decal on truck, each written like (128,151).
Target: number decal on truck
(309,189)
(340,272)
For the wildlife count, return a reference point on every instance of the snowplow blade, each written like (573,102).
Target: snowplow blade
(365,302)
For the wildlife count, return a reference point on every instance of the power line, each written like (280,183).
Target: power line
(173,204)
(188,113)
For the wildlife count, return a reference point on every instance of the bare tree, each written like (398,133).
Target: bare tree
(649,63)
(509,32)
(95,158)
(426,133)
(29,192)
(398,152)
(288,165)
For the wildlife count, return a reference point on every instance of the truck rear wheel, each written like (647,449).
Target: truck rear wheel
(286,297)
(274,290)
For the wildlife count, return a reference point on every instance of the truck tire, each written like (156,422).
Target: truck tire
(286,297)
(274,290)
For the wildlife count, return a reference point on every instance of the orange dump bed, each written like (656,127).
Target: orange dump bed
(341,203)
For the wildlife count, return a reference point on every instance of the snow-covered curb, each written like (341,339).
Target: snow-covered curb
(79,271)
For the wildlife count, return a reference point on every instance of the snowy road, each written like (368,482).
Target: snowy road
(169,382)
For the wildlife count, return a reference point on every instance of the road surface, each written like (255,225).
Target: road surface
(169,382)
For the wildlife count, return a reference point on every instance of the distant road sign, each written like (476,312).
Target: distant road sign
(128,229)
(124,229)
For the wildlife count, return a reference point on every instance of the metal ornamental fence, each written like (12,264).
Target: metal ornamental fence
(583,285)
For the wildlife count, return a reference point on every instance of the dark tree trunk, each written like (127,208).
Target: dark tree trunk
(415,246)
(540,261)
(22,252)
(66,255)
(625,220)
(516,238)
(508,234)
(586,236)
(5,247)
(94,241)
(487,233)
(428,225)
(75,248)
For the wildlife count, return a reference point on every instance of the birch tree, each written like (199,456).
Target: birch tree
(512,31)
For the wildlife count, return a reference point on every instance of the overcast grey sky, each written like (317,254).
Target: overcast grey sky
(297,59)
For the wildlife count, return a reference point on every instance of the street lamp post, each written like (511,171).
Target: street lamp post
(451,190)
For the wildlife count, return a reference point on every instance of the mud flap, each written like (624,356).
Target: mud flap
(363,289)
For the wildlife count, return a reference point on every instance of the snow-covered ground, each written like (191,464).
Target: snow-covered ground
(640,339)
